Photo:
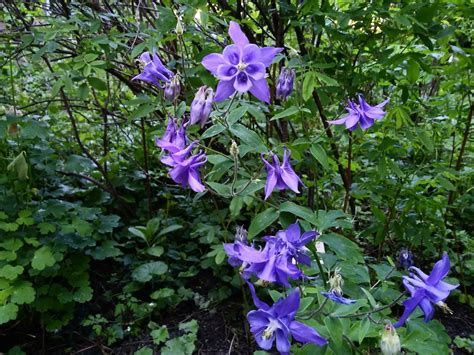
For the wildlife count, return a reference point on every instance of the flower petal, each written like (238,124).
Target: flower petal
(225,88)
(306,334)
(427,308)
(235,32)
(256,71)
(268,53)
(194,181)
(410,305)
(212,61)
(242,82)
(440,270)
(282,342)
(227,71)
(260,90)
(256,300)
(288,306)
(251,54)
(232,54)
(293,232)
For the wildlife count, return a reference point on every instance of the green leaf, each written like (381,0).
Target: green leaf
(142,111)
(363,329)
(162,293)
(343,247)
(83,295)
(299,211)
(42,258)
(145,272)
(236,114)
(309,83)
(327,80)
(262,221)
(213,131)
(155,251)
(8,312)
(248,137)
(222,189)
(23,293)
(413,71)
(97,83)
(425,139)
(11,272)
(19,165)
(46,228)
(160,335)
(144,351)
(286,113)
(170,229)
(320,155)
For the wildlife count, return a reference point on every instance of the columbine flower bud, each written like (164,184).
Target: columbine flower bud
(198,17)
(202,105)
(240,234)
(285,83)
(390,342)
(172,89)
(179,27)
(234,150)
(405,258)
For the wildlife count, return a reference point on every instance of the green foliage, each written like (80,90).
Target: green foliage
(94,232)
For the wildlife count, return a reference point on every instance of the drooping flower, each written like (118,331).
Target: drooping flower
(277,323)
(241,66)
(201,106)
(280,176)
(285,83)
(293,242)
(172,89)
(361,114)
(425,290)
(335,293)
(186,170)
(174,139)
(405,258)
(154,72)
(390,341)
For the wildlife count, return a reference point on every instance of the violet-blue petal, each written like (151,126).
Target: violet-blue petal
(334,296)
(268,53)
(225,88)
(288,306)
(440,270)
(260,90)
(212,61)
(237,35)
(306,334)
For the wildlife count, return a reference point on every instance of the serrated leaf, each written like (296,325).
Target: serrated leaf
(23,293)
(145,272)
(8,312)
(42,258)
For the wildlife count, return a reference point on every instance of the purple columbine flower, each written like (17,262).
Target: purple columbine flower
(405,258)
(285,83)
(154,72)
(361,114)
(277,322)
(186,170)
(172,89)
(174,139)
(280,176)
(293,242)
(426,289)
(201,106)
(333,295)
(241,66)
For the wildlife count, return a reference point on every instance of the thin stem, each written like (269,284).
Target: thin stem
(320,267)
(379,309)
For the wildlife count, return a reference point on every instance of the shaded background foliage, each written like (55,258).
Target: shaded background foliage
(99,246)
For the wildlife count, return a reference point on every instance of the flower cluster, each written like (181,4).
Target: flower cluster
(274,263)
(185,167)
(242,68)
